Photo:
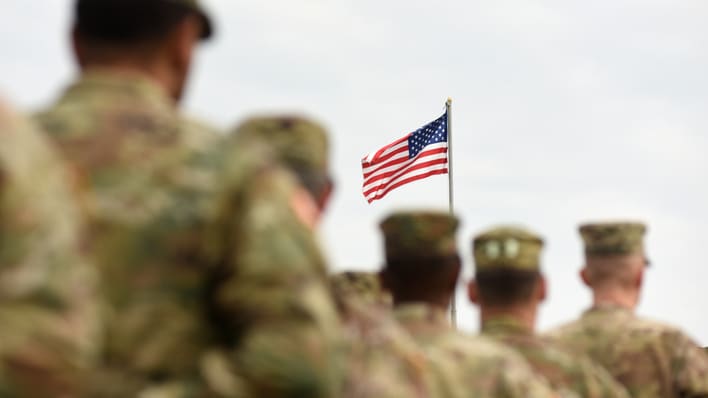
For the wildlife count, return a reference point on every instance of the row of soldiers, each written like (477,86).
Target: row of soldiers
(144,254)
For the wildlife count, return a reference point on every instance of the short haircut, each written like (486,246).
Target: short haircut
(504,287)
(617,269)
(125,22)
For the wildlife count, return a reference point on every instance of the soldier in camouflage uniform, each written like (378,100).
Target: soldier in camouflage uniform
(380,359)
(47,303)
(421,271)
(509,287)
(183,225)
(651,359)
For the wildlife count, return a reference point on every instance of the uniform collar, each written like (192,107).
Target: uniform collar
(413,312)
(130,87)
(504,325)
(607,308)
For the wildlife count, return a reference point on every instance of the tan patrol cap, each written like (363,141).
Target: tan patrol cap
(298,142)
(413,234)
(507,247)
(613,238)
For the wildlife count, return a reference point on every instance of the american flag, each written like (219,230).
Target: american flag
(418,155)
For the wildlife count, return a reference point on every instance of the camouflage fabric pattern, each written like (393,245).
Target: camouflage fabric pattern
(419,233)
(382,360)
(197,237)
(650,359)
(613,238)
(300,143)
(570,375)
(468,366)
(507,247)
(360,285)
(48,309)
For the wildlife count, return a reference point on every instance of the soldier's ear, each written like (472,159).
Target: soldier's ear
(584,276)
(542,289)
(639,278)
(473,291)
(77,48)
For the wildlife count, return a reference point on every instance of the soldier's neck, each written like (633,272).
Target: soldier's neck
(615,297)
(524,314)
(153,72)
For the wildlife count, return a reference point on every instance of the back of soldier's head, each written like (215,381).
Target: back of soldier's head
(422,261)
(507,265)
(130,22)
(614,251)
(299,143)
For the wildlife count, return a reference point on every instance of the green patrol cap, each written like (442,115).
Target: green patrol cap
(613,238)
(507,247)
(362,285)
(298,142)
(419,233)
(194,5)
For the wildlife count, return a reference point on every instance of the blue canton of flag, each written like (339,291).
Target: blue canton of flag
(420,154)
(432,133)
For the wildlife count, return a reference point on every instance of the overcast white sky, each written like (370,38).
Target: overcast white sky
(564,111)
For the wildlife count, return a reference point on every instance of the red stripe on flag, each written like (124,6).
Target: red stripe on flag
(406,181)
(419,164)
(401,160)
(381,151)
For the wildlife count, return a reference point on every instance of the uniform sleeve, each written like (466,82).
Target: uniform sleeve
(689,366)
(272,296)
(47,289)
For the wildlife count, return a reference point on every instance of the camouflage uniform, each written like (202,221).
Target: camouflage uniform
(572,376)
(47,304)
(651,359)
(379,359)
(198,237)
(460,365)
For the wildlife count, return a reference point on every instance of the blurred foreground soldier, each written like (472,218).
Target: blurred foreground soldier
(376,358)
(47,306)
(509,288)
(651,359)
(179,218)
(421,271)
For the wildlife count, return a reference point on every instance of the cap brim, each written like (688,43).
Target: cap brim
(207,26)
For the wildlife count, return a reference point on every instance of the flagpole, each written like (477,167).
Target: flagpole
(448,112)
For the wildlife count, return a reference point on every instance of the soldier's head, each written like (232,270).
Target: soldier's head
(155,38)
(614,259)
(300,144)
(360,286)
(507,270)
(422,262)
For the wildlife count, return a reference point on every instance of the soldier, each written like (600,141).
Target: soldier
(509,287)
(421,271)
(177,218)
(378,357)
(47,302)
(651,359)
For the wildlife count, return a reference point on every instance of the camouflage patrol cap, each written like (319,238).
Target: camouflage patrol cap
(365,286)
(419,233)
(194,5)
(613,238)
(298,142)
(507,247)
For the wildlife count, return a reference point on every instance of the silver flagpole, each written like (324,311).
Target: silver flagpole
(448,112)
